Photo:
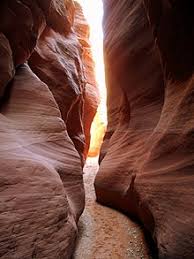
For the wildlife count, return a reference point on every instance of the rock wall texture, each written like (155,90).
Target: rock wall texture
(147,158)
(43,101)
(92,96)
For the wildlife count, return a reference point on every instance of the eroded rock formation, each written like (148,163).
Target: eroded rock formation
(147,158)
(92,97)
(44,96)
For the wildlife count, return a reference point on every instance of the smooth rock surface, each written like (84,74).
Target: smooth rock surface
(91,97)
(61,62)
(6,64)
(147,158)
(43,142)
(41,187)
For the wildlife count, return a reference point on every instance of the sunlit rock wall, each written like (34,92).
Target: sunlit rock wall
(147,158)
(43,147)
(92,97)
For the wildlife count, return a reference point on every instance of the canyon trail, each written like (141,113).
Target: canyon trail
(105,233)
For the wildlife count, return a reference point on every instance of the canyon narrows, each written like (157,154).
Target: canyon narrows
(48,100)
(104,232)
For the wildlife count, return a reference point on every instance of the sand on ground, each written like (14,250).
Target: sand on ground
(105,233)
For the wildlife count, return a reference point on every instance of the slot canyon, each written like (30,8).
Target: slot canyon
(73,182)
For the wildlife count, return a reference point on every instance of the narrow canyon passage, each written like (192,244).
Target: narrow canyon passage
(103,232)
(128,67)
(106,233)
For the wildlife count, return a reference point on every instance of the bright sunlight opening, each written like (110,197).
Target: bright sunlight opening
(93,11)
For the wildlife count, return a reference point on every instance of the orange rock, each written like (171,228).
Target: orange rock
(91,92)
(97,133)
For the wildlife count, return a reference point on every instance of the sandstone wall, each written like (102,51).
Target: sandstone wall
(44,96)
(92,97)
(147,158)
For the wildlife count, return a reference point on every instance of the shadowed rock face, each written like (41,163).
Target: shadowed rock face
(147,159)
(65,64)
(42,91)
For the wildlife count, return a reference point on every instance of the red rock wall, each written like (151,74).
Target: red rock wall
(92,97)
(43,146)
(147,159)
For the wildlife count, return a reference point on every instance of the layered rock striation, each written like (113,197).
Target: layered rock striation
(92,96)
(43,93)
(147,158)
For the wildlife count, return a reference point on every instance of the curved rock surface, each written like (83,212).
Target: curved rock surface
(65,64)
(147,158)
(42,194)
(92,97)
(43,146)
(6,64)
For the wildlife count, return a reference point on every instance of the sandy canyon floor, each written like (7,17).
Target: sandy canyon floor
(105,233)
